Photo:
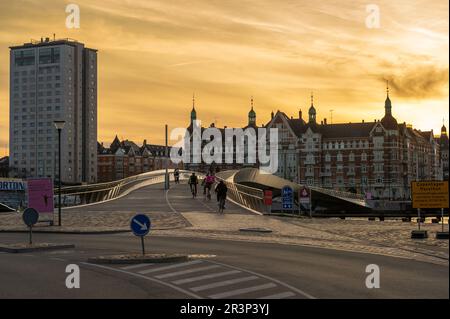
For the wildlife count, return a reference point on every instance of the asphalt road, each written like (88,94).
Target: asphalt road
(228,269)
(280,270)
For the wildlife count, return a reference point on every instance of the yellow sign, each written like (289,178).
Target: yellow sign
(430,194)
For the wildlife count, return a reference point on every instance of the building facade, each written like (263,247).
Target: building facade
(222,165)
(125,158)
(442,140)
(53,80)
(378,159)
(4,166)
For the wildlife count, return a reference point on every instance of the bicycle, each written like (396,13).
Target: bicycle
(208,192)
(193,190)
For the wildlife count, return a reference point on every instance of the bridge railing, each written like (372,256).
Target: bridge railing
(88,194)
(337,193)
(249,197)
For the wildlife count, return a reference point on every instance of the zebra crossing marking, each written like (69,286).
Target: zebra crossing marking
(223,283)
(242,291)
(183,272)
(147,271)
(215,275)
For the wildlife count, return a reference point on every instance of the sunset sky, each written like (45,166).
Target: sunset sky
(154,54)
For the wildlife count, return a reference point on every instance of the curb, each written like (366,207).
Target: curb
(137,259)
(255,230)
(80,232)
(33,249)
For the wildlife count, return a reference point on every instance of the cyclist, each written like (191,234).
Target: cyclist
(209,181)
(176,174)
(221,190)
(193,181)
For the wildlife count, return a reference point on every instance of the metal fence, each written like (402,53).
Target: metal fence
(88,194)
(249,197)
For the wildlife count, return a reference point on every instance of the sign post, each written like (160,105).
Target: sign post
(140,226)
(304,197)
(428,194)
(287,195)
(30,217)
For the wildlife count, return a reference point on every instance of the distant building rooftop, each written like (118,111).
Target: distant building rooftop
(46,42)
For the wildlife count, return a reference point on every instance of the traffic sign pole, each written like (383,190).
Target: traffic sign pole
(30,217)
(418,213)
(143,246)
(140,226)
(310,203)
(31,234)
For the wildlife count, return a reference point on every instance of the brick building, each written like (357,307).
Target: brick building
(378,158)
(125,158)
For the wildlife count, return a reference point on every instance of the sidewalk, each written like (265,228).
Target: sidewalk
(390,238)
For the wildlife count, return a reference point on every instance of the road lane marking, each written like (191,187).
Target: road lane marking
(183,272)
(146,278)
(147,271)
(192,279)
(223,283)
(134,266)
(301,292)
(168,203)
(57,259)
(242,291)
(281,295)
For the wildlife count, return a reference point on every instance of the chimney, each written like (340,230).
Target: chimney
(321,122)
(145,143)
(292,117)
(300,114)
(325,121)
(271,115)
(363,121)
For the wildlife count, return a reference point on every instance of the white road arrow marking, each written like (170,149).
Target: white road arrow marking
(143,226)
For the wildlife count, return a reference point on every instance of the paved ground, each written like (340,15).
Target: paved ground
(301,258)
(110,216)
(175,213)
(238,270)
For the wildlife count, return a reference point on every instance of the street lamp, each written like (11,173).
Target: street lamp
(59,126)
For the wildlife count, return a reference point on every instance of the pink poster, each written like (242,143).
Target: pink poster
(40,194)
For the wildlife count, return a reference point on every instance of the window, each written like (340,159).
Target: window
(49,55)
(339,157)
(24,57)
(363,157)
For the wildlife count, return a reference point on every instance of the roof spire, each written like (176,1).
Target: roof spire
(312,98)
(387,88)
(193,100)
(252,102)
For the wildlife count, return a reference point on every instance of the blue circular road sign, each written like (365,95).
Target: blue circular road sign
(140,225)
(30,216)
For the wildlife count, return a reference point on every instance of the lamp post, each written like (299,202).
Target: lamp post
(59,126)
(166,162)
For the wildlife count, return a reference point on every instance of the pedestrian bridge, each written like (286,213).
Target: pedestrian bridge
(246,188)
(254,181)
